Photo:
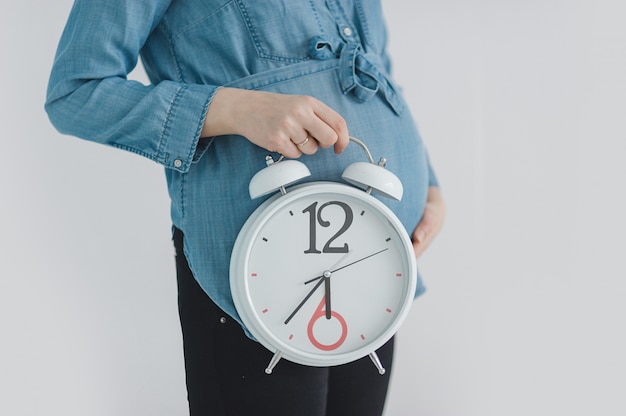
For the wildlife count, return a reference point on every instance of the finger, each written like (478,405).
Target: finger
(431,222)
(307,146)
(418,249)
(421,239)
(323,134)
(335,131)
(343,141)
(289,149)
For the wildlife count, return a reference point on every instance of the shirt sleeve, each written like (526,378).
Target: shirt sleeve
(89,95)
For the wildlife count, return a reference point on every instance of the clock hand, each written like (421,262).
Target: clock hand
(325,277)
(318,284)
(314,279)
(334,265)
(327,296)
(361,259)
(343,267)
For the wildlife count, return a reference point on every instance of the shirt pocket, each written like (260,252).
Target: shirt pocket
(281,30)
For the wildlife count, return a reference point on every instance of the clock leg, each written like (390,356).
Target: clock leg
(377,363)
(275,359)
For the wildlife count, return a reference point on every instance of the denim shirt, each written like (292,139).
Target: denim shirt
(333,50)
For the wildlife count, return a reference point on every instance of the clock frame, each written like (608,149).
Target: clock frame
(323,273)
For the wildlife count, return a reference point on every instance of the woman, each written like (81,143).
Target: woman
(230,81)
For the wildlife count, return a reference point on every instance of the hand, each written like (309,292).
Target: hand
(431,222)
(283,123)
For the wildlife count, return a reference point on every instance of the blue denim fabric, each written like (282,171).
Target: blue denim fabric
(330,49)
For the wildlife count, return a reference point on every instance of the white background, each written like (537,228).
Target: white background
(521,104)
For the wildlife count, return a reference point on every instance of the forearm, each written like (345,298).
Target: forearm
(277,122)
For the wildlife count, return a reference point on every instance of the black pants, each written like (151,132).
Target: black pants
(225,370)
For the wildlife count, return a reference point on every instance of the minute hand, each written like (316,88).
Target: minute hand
(306,298)
(347,265)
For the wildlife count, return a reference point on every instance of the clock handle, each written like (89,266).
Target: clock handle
(377,363)
(365,149)
(275,359)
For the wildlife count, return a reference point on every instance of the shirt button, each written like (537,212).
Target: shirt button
(347,31)
(178,163)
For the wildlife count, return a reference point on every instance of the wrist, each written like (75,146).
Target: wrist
(221,116)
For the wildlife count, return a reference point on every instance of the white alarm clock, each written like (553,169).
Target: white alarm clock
(323,273)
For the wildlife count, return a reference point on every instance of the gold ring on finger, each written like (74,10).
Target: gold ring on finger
(303,142)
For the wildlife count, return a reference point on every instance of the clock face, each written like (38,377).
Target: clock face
(324,274)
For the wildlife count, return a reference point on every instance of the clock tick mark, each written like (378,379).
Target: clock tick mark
(265,310)
(254,275)
(291,213)
(290,337)
(362,213)
(363,337)
(388,239)
(388,310)
(265,239)
(398,274)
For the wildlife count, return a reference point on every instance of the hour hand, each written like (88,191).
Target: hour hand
(327,296)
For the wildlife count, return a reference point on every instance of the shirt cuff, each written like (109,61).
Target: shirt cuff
(180,144)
